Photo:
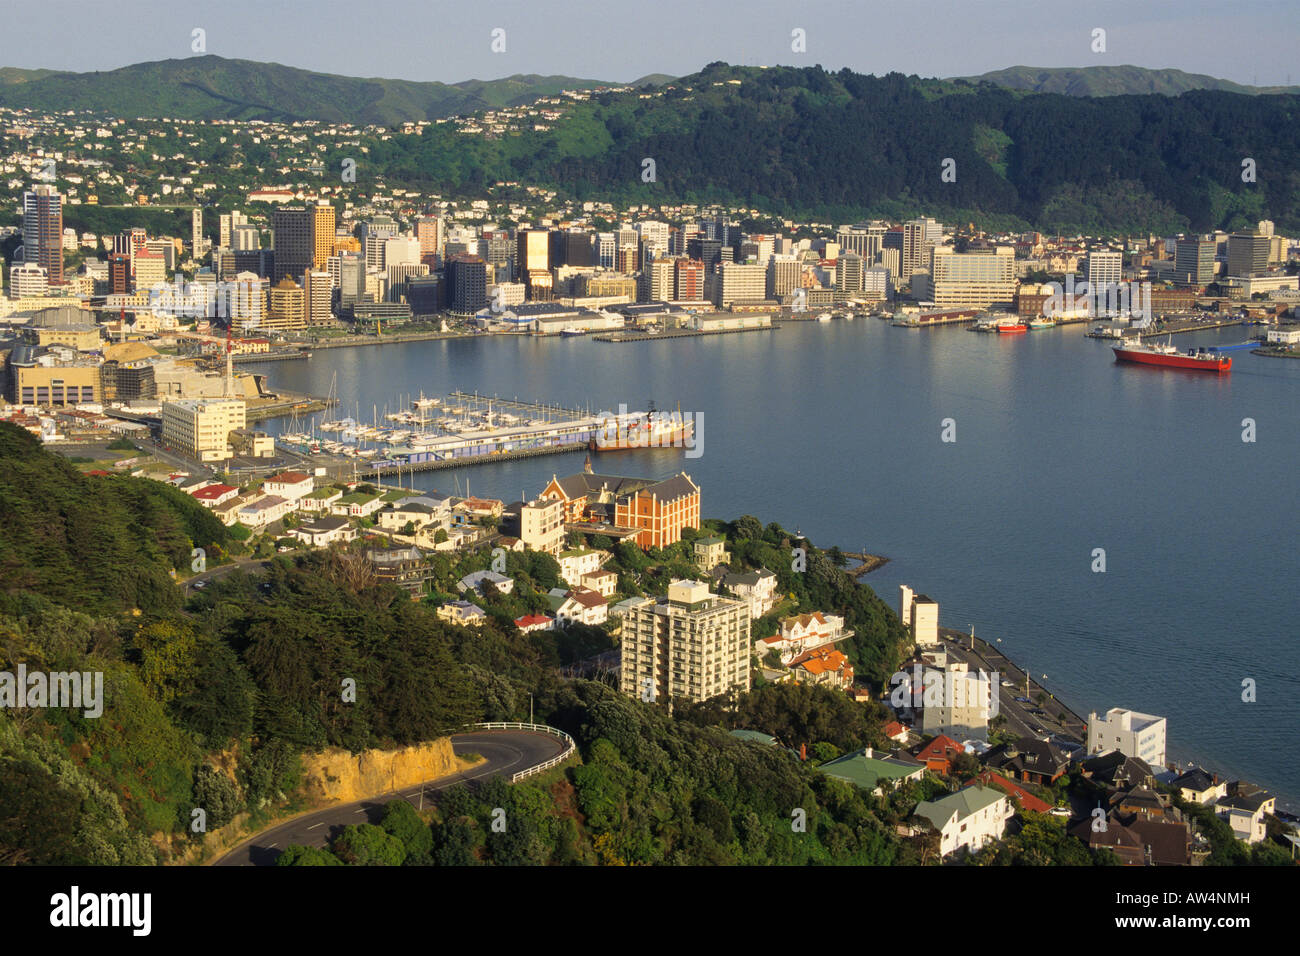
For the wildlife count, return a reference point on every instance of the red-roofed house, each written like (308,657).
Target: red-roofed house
(802,633)
(584,606)
(214,495)
(937,755)
(288,484)
(825,666)
(534,622)
(1022,797)
(896,732)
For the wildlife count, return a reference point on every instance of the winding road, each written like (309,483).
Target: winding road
(506,751)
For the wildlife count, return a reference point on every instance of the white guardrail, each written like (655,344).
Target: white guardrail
(569,745)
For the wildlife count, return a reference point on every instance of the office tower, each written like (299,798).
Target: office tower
(865,239)
(43,231)
(399,276)
(246,301)
(654,237)
(291,238)
(150,270)
(659,280)
(628,259)
(1248,253)
(973,280)
(919,237)
(738,282)
(352,279)
(688,644)
(606,249)
(401,251)
(288,308)
(374,233)
(532,260)
(688,284)
(849,273)
(318,292)
(1194,262)
(467,279)
(499,252)
(196,232)
(577,249)
(227,223)
(322,233)
(426,295)
(260,262)
(119,273)
(427,232)
(782,275)
(707,251)
(1105,269)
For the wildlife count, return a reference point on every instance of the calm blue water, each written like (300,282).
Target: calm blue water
(834,429)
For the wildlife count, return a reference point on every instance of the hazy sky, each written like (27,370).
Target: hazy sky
(1250,41)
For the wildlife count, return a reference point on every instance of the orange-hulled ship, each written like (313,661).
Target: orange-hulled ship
(1167,356)
(644,430)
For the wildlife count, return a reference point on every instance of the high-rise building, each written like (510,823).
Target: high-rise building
(659,280)
(690,644)
(467,279)
(202,427)
(288,307)
(688,282)
(197,245)
(1194,262)
(707,251)
(865,238)
(973,280)
(150,270)
(606,247)
(782,275)
(43,231)
(1105,269)
(352,279)
(654,236)
(245,237)
(532,261)
(849,273)
(119,273)
(226,224)
(919,237)
(322,233)
(738,282)
(1248,253)
(374,234)
(428,232)
(401,251)
(292,240)
(318,292)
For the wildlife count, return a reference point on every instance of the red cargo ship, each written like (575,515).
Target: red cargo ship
(1169,357)
(1012,328)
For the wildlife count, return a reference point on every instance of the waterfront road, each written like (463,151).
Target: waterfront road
(506,752)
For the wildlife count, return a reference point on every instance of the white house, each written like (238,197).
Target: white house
(462,612)
(972,818)
(1245,814)
(475,582)
(756,587)
(357,505)
(264,511)
(604,583)
(288,484)
(322,499)
(581,606)
(574,564)
(1131,733)
(802,633)
(324,530)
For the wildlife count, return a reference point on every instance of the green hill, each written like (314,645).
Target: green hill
(213,87)
(1113,81)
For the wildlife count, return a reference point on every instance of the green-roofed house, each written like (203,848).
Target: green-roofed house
(753,736)
(358,505)
(971,818)
(710,552)
(874,772)
(322,499)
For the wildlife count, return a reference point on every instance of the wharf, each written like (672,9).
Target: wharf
(869,562)
(1277,353)
(279,355)
(1177,327)
(676,334)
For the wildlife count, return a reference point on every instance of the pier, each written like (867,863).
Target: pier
(676,334)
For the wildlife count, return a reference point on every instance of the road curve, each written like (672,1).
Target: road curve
(507,752)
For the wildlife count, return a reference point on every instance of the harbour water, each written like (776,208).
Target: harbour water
(835,429)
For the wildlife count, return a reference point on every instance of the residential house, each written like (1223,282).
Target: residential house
(579,561)
(1028,759)
(1246,813)
(261,512)
(404,567)
(534,622)
(324,530)
(824,666)
(1197,786)
(322,499)
(710,552)
(462,612)
(896,732)
(970,819)
(581,606)
(874,772)
(288,484)
(477,580)
(604,583)
(358,504)
(938,754)
(756,587)
(656,511)
(214,495)
(801,633)
(1022,797)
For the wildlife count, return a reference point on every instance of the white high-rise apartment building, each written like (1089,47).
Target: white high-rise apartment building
(740,283)
(973,280)
(690,644)
(202,427)
(1105,268)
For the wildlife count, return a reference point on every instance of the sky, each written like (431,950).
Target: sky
(1249,41)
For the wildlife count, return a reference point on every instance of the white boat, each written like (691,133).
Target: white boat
(824,317)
